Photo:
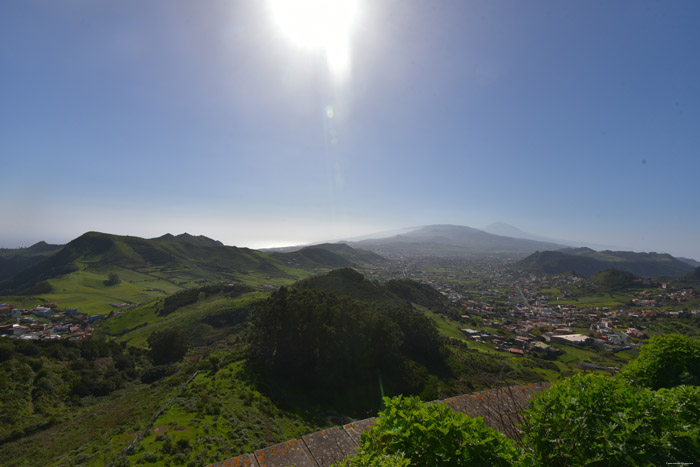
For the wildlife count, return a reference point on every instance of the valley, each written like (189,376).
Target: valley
(182,351)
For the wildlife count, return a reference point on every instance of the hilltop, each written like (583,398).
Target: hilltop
(199,240)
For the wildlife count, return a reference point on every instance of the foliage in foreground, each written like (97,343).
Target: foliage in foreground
(598,420)
(411,432)
(587,419)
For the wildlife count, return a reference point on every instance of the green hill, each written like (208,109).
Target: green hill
(587,262)
(77,274)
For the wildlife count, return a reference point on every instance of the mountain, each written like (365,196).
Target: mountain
(36,249)
(588,262)
(181,259)
(452,240)
(507,230)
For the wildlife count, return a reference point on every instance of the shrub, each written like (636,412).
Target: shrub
(6,352)
(411,432)
(666,361)
(167,346)
(595,419)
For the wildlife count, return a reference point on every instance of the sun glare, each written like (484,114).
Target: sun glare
(319,25)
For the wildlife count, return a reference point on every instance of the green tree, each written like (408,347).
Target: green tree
(598,420)
(113,279)
(666,361)
(411,432)
(167,346)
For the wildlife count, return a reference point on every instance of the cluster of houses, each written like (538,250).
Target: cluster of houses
(45,321)
(517,344)
(537,322)
(518,304)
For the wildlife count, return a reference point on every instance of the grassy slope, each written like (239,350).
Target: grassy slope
(134,326)
(220,415)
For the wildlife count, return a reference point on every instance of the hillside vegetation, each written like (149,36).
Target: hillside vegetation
(16,260)
(79,274)
(587,262)
(582,420)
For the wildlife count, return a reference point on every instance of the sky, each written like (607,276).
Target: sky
(573,120)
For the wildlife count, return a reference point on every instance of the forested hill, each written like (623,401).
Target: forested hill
(587,262)
(347,282)
(15,260)
(331,337)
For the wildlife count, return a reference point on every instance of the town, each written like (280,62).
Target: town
(518,312)
(46,321)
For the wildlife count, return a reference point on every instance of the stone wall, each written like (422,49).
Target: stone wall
(499,407)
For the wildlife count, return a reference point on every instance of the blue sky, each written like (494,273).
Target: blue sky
(576,120)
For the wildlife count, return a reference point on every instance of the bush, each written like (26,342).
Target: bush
(666,361)
(113,279)
(167,346)
(155,373)
(149,457)
(411,432)
(6,351)
(595,419)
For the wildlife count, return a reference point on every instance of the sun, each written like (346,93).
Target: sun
(319,25)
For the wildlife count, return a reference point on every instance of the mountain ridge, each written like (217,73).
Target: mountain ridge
(588,262)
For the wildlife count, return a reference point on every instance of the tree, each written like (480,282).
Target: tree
(113,279)
(666,361)
(411,432)
(167,346)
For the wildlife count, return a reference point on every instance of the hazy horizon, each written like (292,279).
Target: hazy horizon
(575,121)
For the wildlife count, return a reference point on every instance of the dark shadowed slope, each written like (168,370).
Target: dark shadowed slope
(15,260)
